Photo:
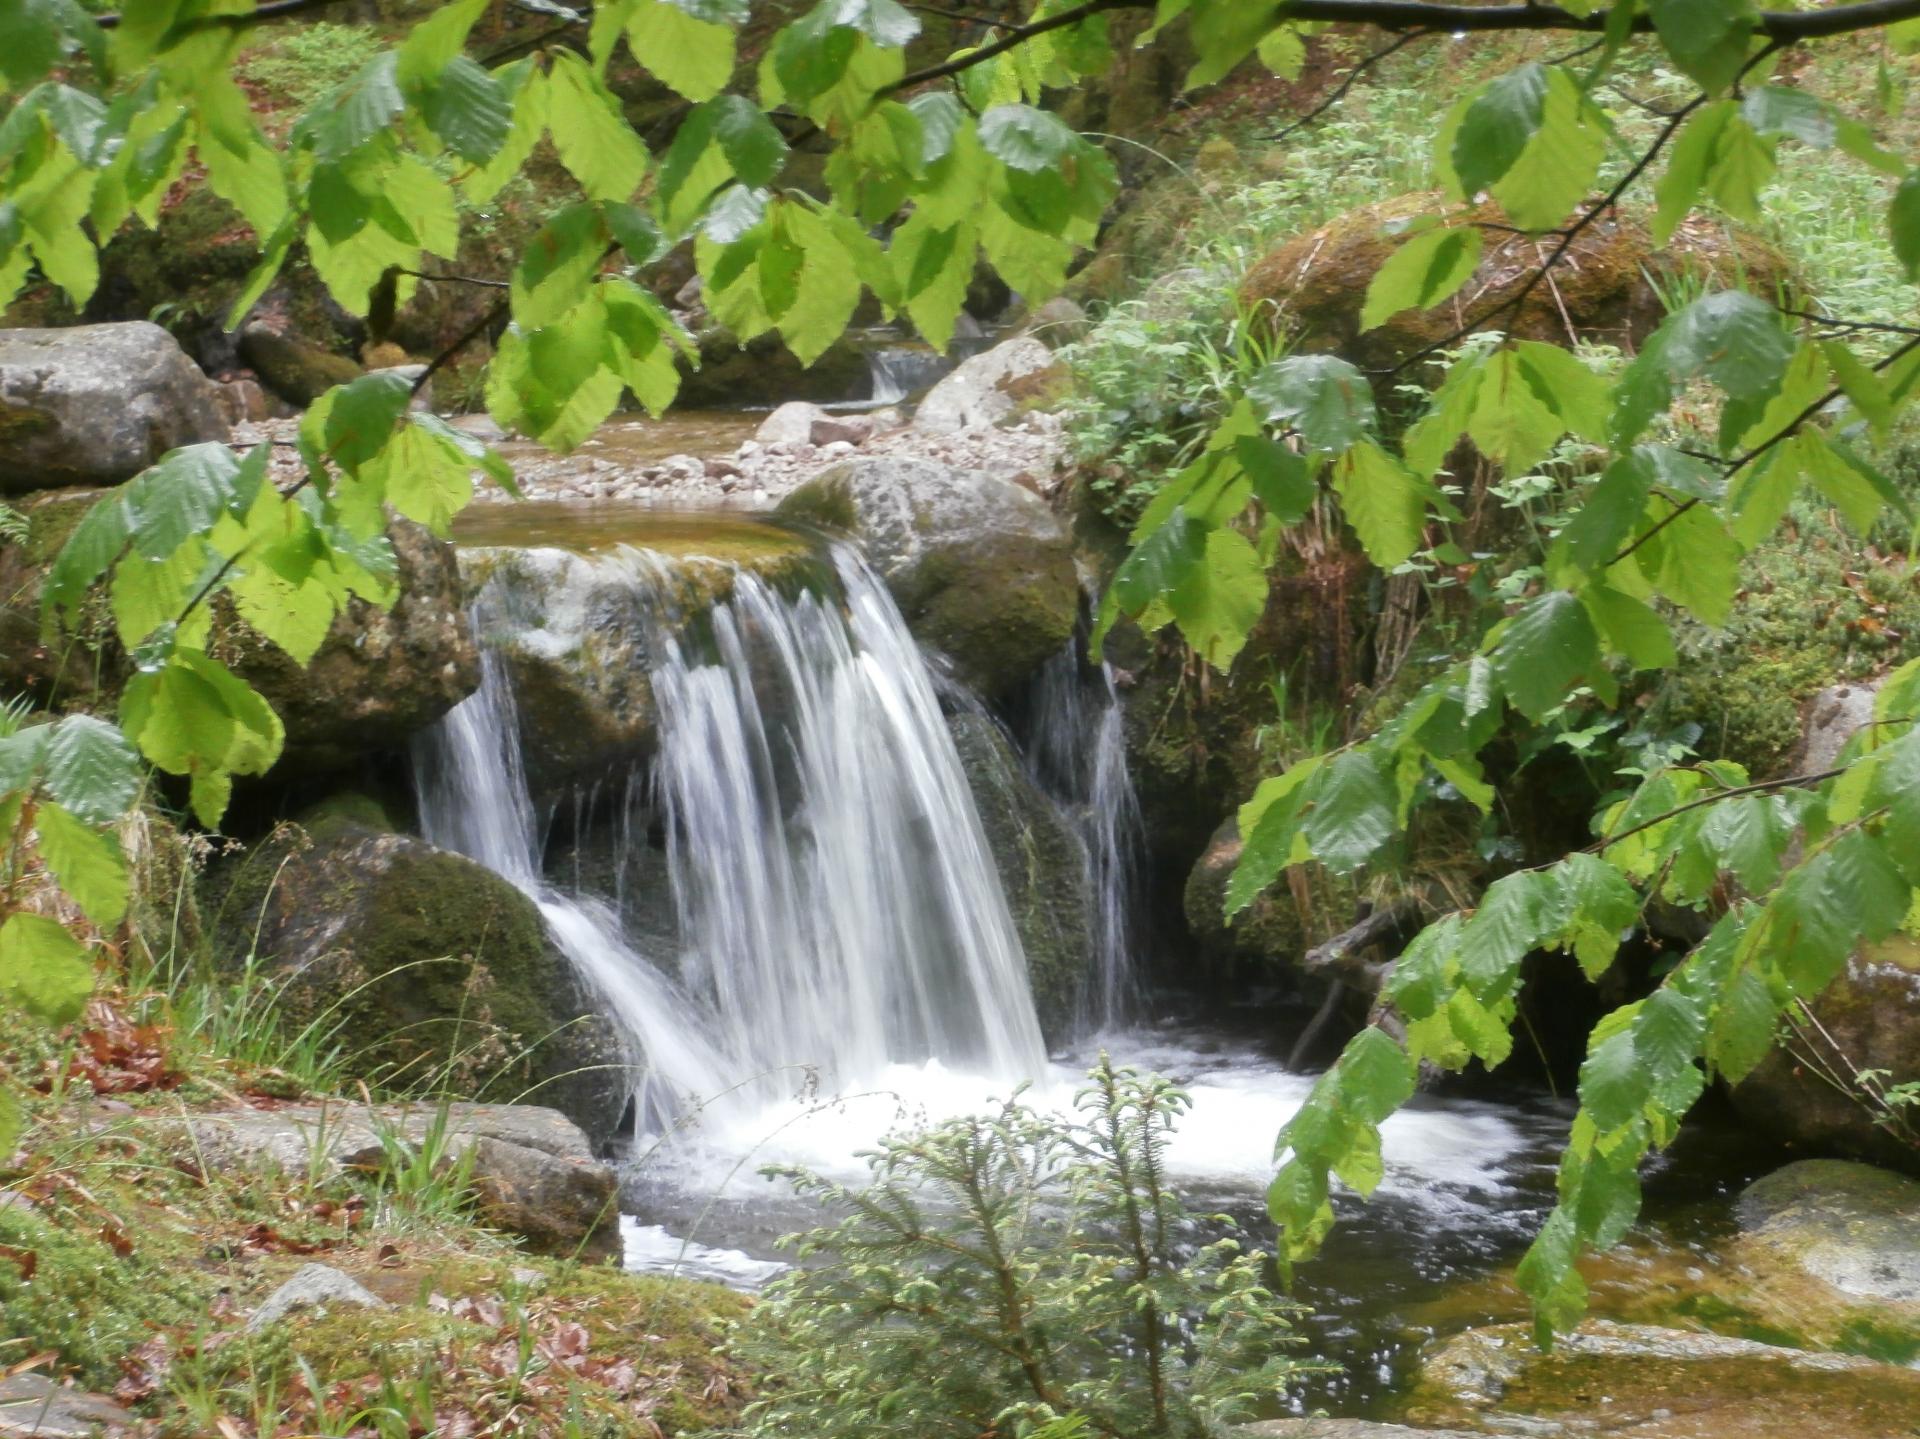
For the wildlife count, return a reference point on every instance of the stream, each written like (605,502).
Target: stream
(845,963)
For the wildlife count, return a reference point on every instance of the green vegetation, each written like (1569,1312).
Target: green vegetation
(1013,1269)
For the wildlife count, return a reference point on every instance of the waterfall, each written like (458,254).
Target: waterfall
(1078,752)
(473,799)
(899,372)
(837,902)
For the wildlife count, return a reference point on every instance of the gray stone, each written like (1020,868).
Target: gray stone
(1849,1226)
(97,404)
(481,426)
(1833,717)
(791,424)
(32,1404)
(847,430)
(986,389)
(1058,322)
(533,1172)
(980,567)
(317,1287)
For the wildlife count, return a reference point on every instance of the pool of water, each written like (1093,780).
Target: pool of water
(585,526)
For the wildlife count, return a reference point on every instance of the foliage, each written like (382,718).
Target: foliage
(951,161)
(1017,1273)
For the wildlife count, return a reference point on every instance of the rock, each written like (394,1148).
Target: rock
(1833,717)
(1657,1384)
(1315,284)
(97,404)
(533,1170)
(837,450)
(841,430)
(481,426)
(1058,322)
(1340,1429)
(1851,1228)
(1868,1018)
(764,372)
(1042,867)
(428,964)
(32,1404)
(294,369)
(378,676)
(242,401)
(1268,932)
(791,424)
(882,421)
(986,389)
(313,1286)
(980,568)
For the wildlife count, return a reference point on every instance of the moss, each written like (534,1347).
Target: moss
(1814,609)
(343,814)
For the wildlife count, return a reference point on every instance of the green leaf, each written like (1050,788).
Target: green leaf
(1323,397)
(591,132)
(1376,1076)
(353,114)
(690,48)
(43,968)
(1731,337)
(1023,138)
(12,1119)
(182,496)
(1280,478)
(1706,38)
(1218,601)
(1545,652)
(469,109)
(1352,813)
(90,769)
(1270,830)
(1384,502)
(1744,1026)
(87,863)
(1497,126)
(1422,272)
(1630,628)
(558,265)
(1614,1084)
(1904,223)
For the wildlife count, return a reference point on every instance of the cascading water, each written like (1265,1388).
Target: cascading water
(1078,752)
(899,372)
(838,904)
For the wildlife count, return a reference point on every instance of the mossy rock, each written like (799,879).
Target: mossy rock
(1042,868)
(1314,286)
(437,972)
(296,370)
(1657,1383)
(377,677)
(1284,920)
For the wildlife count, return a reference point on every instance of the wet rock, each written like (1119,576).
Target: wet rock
(847,430)
(1868,1019)
(377,677)
(32,1404)
(294,369)
(565,1208)
(1316,284)
(97,404)
(980,567)
(1268,932)
(1849,1227)
(313,1286)
(988,388)
(791,424)
(1058,322)
(1657,1384)
(430,966)
(1042,867)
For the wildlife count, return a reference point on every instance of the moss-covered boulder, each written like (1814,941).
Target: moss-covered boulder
(431,970)
(1867,1021)
(296,370)
(1655,1383)
(378,676)
(1314,286)
(981,569)
(97,404)
(1042,867)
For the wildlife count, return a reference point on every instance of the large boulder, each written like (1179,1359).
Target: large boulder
(1042,865)
(1314,286)
(429,966)
(97,404)
(1867,1020)
(981,569)
(532,1169)
(1848,1232)
(378,676)
(1012,377)
(1658,1384)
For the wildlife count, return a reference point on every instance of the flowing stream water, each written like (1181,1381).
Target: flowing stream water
(846,961)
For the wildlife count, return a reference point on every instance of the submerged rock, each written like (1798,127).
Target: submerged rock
(97,404)
(980,568)
(1658,1384)
(1041,863)
(430,967)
